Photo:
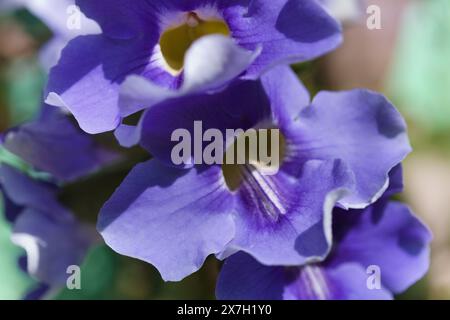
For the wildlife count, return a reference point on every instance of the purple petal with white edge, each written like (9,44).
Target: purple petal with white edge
(289,31)
(26,192)
(86,79)
(241,106)
(386,235)
(170,218)
(53,144)
(210,63)
(360,127)
(281,220)
(287,94)
(51,246)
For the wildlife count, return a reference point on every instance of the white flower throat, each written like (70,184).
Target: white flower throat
(175,41)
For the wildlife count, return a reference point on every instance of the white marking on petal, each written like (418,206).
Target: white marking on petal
(31,245)
(318,287)
(264,191)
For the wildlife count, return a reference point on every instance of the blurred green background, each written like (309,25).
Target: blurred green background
(408,60)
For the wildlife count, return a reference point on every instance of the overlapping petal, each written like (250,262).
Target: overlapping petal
(286,221)
(360,127)
(263,34)
(386,236)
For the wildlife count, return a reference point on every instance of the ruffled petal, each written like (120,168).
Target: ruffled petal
(386,235)
(289,31)
(170,218)
(359,127)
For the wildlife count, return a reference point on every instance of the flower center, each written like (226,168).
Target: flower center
(176,41)
(254,154)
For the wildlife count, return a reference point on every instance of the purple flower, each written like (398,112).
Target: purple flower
(53,144)
(175,217)
(175,47)
(377,252)
(51,236)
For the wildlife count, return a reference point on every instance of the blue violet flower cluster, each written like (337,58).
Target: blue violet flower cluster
(317,222)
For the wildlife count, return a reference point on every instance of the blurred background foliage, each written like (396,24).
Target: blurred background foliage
(408,60)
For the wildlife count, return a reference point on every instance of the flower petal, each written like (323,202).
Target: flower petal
(386,235)
(26,192)
(87,77)
(363,129)
(52,246)
(210,63)
(240,106)
(300,231)
(170,218)
(54,145)
(289,31)
(346,282)
(119,19)
(244,278)
(287,94)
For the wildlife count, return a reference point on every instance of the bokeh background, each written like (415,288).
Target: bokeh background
(408,60)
